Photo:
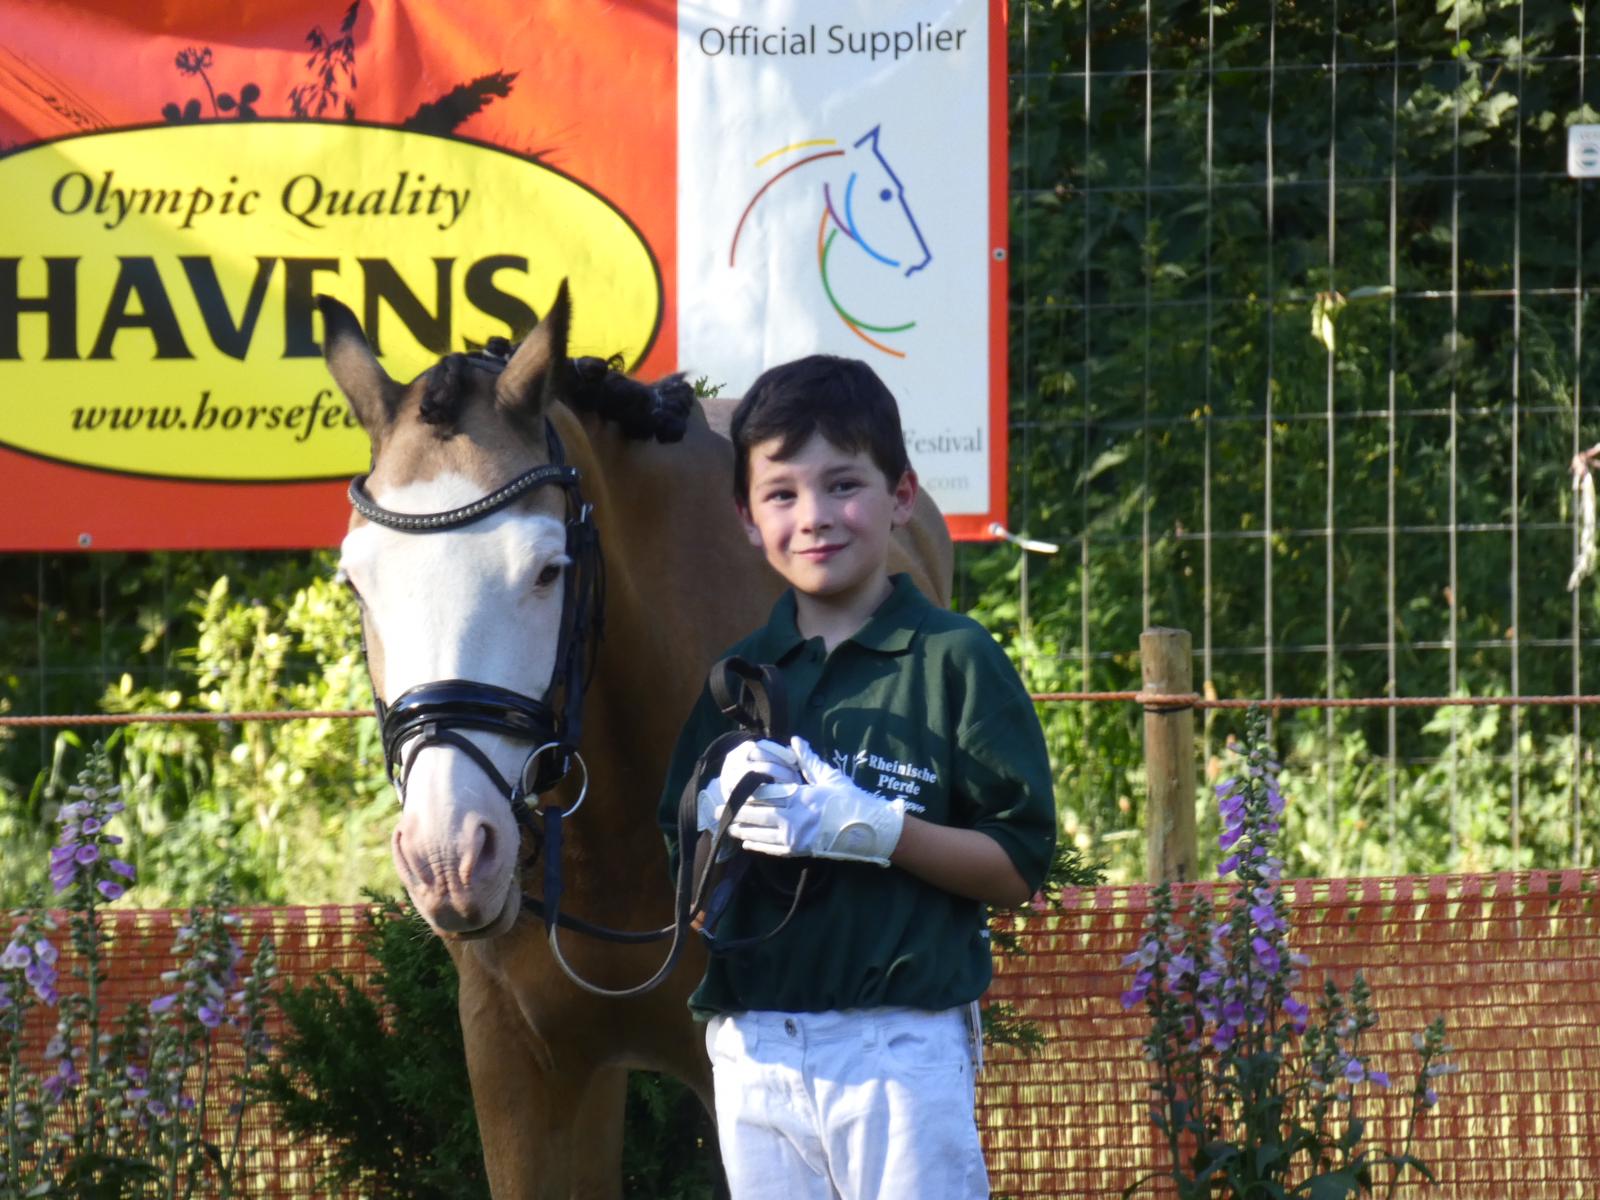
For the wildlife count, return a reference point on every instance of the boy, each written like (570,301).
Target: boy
(843,1048)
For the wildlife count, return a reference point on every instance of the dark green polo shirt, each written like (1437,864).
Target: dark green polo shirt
(920,703)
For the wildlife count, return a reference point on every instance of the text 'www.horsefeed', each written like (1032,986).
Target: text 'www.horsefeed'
(205,415)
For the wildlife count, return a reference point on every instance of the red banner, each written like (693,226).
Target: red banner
(182,179)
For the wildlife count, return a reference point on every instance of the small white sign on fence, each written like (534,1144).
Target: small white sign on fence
(1583,151)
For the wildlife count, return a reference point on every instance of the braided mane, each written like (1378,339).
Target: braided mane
(591,385)
(446,389)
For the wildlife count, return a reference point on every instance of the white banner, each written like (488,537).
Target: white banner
(835,176)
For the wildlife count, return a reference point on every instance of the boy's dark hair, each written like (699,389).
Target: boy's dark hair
(841,398)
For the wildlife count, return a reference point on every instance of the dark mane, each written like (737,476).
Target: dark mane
(641,411)
(445,390)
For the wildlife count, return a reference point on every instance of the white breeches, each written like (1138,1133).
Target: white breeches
(866,1104)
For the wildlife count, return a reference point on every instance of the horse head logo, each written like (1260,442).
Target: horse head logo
(861,198)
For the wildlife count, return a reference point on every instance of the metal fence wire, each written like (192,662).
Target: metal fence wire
(1303,353)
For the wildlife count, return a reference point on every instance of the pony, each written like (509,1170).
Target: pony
(863,200)
(469,576)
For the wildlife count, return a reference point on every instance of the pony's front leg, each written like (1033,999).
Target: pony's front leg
(549,1132)
(596,1139)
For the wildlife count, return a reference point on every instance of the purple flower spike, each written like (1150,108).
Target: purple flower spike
(1132,997)
(209,1017)
(111,889)
(85,855)
(1266,954)
(162,1003)
(1228,865)
(16,957)
(1381,1078)
(1354,1071)
(121,868)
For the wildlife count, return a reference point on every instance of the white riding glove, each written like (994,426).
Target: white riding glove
(762,757)
(709,806)
(827,816)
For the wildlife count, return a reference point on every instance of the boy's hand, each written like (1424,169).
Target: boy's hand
(827,816)
(762,757)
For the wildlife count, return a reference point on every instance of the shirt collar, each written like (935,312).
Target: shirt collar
(780,636)
(888,630)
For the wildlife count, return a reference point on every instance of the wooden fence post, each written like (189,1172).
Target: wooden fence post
(1166,659)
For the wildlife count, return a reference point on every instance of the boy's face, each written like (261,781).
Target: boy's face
(824,515)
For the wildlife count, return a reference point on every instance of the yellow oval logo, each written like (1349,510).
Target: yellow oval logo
(156,285)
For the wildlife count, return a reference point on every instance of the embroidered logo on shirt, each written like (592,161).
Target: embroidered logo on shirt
(885,776)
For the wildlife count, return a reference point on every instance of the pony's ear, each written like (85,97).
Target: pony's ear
(531,378)
(373,396)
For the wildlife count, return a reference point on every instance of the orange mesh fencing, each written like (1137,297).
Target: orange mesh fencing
(1512,962)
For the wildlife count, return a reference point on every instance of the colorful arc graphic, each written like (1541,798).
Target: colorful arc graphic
(843,223)
(855,324)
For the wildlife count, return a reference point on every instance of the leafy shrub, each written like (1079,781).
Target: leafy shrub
(294,811)
(376,1068)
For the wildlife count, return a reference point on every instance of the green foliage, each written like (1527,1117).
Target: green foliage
(289,811)
(1177,325)
(670,1143)
(373,1067)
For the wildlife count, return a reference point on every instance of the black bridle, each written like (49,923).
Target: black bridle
(435,714)
(432,714)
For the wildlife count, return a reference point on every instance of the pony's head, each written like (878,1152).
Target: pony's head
(870,205)
(480,599)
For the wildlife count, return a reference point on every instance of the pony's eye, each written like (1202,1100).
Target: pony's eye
(885,195)
(549,575)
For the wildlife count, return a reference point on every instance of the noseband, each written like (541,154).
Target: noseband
(433,714)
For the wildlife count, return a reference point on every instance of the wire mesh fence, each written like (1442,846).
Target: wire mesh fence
(1301,336)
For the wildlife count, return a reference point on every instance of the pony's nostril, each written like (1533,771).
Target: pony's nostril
(415,869)
(481,853)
